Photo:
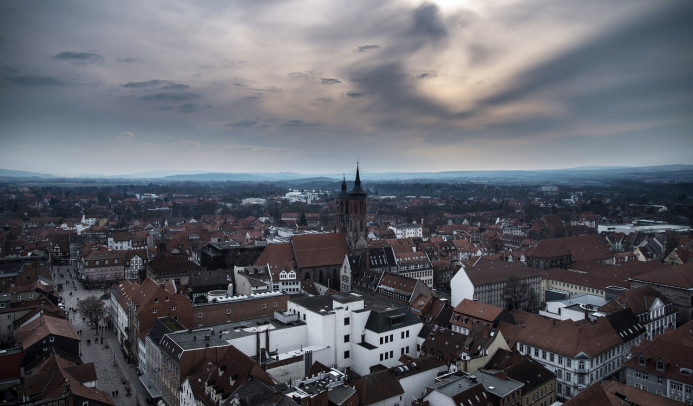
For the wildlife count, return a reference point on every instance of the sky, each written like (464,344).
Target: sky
(120,87)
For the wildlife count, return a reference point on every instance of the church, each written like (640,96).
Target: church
(351,214)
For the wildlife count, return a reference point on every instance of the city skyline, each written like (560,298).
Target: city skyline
(307,86)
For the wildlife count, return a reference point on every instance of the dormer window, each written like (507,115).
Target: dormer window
(156,300)
(660,365)
(641,360)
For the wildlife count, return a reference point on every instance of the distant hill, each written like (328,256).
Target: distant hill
(579,175)
(8,173)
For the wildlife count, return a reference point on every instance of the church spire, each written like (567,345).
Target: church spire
(358,178)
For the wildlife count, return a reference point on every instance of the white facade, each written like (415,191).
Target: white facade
(408,231)
(342,327)
(461,287)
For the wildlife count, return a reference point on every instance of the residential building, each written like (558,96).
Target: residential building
(676,283)
(664,366)
(654,310)
(579,353)
(502,284)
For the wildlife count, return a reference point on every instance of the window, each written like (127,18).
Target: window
(199,315)
(641,360)
(391,355)
(569,362)
(173,308)
(154,310)
(536,352)
(676,386)
(156,300)
(264,306)
(551,357)
(522,348)
(228,311)
(381,356)
(51,339)
(346,321)
(402,335)
(275,304)
(381,341)
(660,365)
(543,354)
(568,377)
(346,338)
(407,334)
(346,354)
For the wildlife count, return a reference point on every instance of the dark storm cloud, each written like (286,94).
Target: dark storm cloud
(365,48)
(128,60)
(648,54)
(427,23)
(79,57)
(330,81)
(170,96)
(162,84)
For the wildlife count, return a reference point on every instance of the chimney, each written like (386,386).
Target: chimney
(206,337)
(194,338)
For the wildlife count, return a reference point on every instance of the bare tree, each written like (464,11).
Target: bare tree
(518,294)
(92,309)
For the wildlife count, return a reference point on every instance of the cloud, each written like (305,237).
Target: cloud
(355,95)
(192,107)
(364,48)
(162,84)
(329,81)
(188,143)
(302,75)
(243,123)
(128,60)
(427,23)
(299,123)
(425,75)
(79,57)
(31,80)
(170,96)
(126,135)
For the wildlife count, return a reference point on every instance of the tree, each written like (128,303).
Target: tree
(518,294)
(91,308)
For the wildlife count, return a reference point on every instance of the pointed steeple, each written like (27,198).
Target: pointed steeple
(358,190)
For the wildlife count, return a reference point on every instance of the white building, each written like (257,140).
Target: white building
(359,337)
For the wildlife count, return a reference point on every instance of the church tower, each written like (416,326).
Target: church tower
(351,212)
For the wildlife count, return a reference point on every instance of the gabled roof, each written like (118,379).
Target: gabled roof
(313,250)
(567,337)
(377,387)
(486,271)
(42,327)
(51,379)
(478,310)
(639,299)
(680,276)
(581,248)
(382,321)
(276,255)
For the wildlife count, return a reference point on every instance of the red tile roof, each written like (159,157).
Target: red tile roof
(314,250)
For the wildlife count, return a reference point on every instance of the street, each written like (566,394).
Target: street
(100,346)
